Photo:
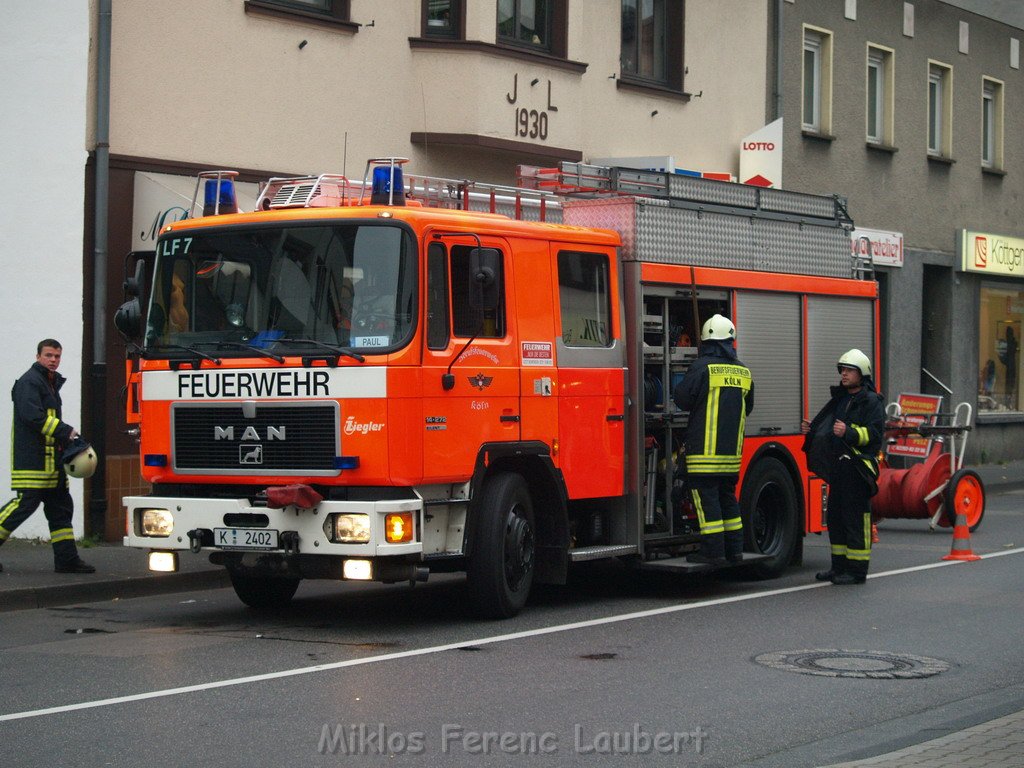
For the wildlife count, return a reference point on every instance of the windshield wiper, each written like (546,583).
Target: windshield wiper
(329,347)
(191,350)
(252,348)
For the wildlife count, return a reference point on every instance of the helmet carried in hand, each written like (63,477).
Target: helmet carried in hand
(79,459)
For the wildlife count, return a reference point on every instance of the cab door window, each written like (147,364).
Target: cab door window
(467,320)
(584,299)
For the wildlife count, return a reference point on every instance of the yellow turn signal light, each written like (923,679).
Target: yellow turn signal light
(398,527)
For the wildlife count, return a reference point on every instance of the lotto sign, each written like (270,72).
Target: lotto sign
(916,409)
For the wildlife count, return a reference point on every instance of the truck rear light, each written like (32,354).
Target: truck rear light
(357,570)
(398,527)
(158,523)
(348,528)
(164,562)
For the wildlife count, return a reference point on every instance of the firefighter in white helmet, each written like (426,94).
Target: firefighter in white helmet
(718,391)
(842,445)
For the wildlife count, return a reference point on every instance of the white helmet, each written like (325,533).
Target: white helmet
(718,328)
(80,461)
(855,359)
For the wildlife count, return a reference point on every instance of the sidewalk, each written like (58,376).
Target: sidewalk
(28,579)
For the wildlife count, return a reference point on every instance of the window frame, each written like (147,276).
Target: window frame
(674,68)
(992,133)
(558,23)
(337,15)
(457,23)
(882,59)
(939,134)
(818,42)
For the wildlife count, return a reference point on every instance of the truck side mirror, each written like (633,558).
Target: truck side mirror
(133,285)
(128,319)
(485,278)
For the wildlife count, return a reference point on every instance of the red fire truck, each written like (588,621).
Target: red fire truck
(384,379)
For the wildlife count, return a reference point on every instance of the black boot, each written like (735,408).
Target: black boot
(843,579)
(702,559)
(825,575)
(78,565)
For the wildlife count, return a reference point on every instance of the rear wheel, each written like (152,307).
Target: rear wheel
(263,592)
(965,495)
(768,502)
(501,564)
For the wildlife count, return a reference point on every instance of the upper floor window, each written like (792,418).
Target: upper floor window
(652,42)
(880,80)
(525,22)
(329,12)
(817,81)
(940,109)
(443,18)
(991,123)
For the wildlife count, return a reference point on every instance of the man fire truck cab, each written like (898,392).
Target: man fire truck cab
(376,380)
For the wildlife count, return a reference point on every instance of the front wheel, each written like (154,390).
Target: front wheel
(768,502)
(965,495)
(263,592)
(501,563)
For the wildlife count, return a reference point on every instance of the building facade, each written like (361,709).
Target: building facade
(907,109)
(44,48)
(463,88)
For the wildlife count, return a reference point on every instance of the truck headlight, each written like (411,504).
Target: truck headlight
(156,522)
(348,528)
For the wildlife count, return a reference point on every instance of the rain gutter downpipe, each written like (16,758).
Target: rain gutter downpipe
(97,436)
(778,59)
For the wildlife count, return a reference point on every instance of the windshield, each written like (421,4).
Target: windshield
(349,285)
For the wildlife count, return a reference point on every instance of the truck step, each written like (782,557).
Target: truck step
(601,551)
(681,565)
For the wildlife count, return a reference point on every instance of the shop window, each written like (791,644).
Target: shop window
(444,19)
(999,359)
(880,87)
(991,124)
(652,42)
(940,110)
(817,81)
(584,299)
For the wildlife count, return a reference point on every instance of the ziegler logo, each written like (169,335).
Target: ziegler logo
(980,251)
(353,427)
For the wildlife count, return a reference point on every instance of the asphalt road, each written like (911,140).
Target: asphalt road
(647,669)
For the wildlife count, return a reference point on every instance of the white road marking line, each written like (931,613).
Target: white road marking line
(477,641)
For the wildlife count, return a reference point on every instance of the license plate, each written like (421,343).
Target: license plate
(244,538)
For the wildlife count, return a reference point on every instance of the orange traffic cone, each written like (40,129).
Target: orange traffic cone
(874,534)
(961,549)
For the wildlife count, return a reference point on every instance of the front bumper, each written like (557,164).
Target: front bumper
(202,514)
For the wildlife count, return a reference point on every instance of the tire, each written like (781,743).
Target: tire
(769,505)
(501,563)
(263,592)
(965,494)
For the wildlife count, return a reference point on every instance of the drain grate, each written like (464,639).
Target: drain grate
(835,662)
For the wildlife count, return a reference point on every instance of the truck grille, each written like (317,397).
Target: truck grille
(277,439)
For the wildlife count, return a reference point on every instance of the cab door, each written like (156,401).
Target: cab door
(591,376)
(470,384)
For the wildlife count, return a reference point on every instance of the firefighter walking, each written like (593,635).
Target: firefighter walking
(38,435)
(718,391)
(842,445)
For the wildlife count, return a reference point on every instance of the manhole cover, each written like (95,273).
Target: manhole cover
(835,662)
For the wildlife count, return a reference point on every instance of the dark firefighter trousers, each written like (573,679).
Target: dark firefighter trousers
(849,518)
(721,527)
(58,508)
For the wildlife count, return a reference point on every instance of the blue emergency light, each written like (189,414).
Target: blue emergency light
(388,185)
(228,202)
